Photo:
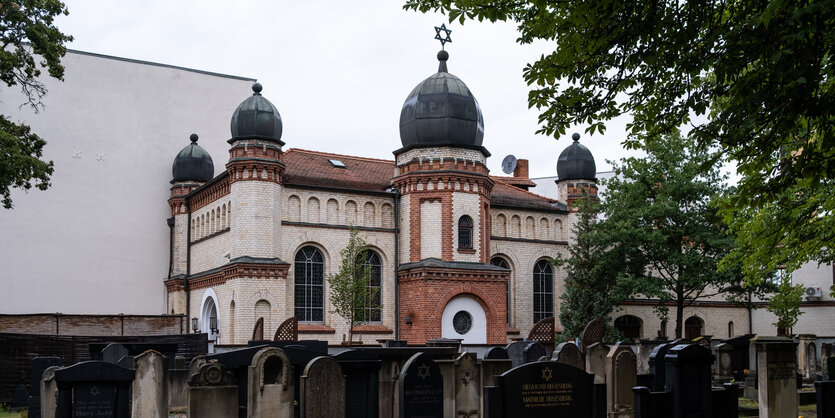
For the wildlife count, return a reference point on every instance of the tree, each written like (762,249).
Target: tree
(591,287)
(351,290)
(755,78)
(659,220)
(785,303)
(26,32)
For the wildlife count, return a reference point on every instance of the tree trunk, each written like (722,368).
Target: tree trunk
(679,315)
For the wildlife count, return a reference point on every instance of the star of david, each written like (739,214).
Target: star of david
(546,374)
(444,39)
(423,371)
(94,391)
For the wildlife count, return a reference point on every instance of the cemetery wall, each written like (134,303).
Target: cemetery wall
(93,325)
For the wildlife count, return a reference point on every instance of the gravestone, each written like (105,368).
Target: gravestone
(826,350)
(657,366)
(740,358)
(811,367)
(541,389)
(596,361)
(689,379)
(114,352)
(534,351)
(270,389)
(825,399)
(323,389)
(804,340)
(724,361)
(494,366)
(621,377)
(212,392)
(777,382)
(362,374)
(828,366)
(466,384)
(569,353)
(420,389)
(21,397)
(39,365)
(643,349)
(150,395)
(496,353)
(93,389)
(516,352)
(49,393)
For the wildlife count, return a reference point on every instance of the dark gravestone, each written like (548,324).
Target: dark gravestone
(689,380)
(534,351)
(39,364)
(515,352)
(114,352)
(362,371)
(317,346)
(740,355)
(541,389)
(569,353)
(496,353)
(93,389)
(657,367)
(421,388)
(828,368)
(21,397)
(825,397)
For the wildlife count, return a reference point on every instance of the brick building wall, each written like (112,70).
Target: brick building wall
(92,325)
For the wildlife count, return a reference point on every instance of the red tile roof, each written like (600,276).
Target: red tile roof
(515,181)
(505,195)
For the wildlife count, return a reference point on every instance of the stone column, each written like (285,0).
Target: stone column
(776,378)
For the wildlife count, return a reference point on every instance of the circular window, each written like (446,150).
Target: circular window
(462,322)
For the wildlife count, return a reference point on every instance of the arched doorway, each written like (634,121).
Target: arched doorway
(693,328)
(209,317)
(464,319)
(629,326)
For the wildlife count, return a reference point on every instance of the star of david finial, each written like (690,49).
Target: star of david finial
(546,374)
(444,39)
(423,371)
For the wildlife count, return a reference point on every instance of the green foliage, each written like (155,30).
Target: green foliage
(349,287)
(29,41)
(591,287)
(754,78)
(668,237)
(785,303)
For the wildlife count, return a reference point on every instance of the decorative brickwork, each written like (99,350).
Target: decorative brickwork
(424,292)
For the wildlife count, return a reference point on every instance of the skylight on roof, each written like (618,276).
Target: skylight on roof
(337,163)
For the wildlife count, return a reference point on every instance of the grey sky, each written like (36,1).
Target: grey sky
(338,71)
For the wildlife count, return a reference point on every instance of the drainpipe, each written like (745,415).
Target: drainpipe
(750,313)
(188,262)
(170,222)
(396,263)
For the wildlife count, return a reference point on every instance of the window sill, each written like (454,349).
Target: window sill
(513,331)
(315,329)
(466,250)
(371,329)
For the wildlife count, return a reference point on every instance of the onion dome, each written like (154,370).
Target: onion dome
(576,162)
(193,163)
(441,110)
(256,118)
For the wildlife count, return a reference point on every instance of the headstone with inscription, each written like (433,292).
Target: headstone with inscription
(596,361)
(568,353)
(541,389)
(150,397)
(212,392)
(724,361)
(420,389)
(811,367)
(271,385)
(93,389)
(467,386)
(621,377)
(362,374)
(777,381)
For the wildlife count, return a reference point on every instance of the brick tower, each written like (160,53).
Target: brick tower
(447,288)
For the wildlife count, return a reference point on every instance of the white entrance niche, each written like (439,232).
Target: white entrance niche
(477,332)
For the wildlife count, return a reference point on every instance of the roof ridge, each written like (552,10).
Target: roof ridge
(338,155)
(527,192)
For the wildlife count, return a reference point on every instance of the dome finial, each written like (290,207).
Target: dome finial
(257,87)
(443,56)
(193,138)
(575,136)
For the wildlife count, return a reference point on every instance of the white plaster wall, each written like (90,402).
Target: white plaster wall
(97,240)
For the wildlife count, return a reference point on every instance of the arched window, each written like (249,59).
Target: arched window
(693,327)
(501,262)
(374,305)
(309,285)
(629,326)
(465,232)
(543,290)
(730,329)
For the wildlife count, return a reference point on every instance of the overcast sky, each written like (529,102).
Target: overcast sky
(338,71)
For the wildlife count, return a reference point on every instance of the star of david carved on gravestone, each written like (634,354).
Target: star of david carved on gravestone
(423,371)
(547,374)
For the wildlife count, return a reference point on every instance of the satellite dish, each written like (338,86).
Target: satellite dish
(509,164)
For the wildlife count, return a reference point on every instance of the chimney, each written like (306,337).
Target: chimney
(521,168)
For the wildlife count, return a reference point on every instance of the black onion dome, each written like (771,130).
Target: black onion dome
(576,162)
(441,110)
(256,118)
(193,163)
